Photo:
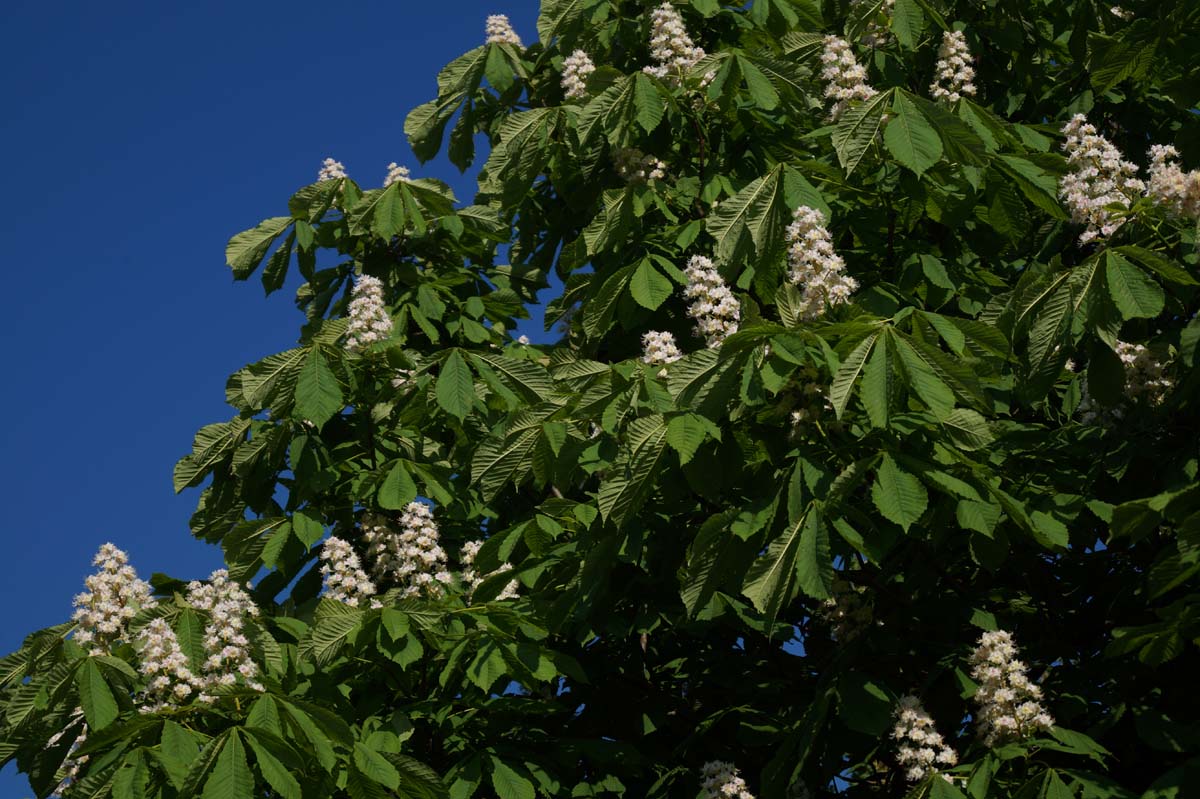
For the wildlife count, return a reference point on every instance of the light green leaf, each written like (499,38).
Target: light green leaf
(230,777)
(856,130)
(907,23)
(96,698)
(847,374)
(1136,295)
(455,386)
(649,287)
(376,766)
(508,783)
(898,495)
(879,389)
(318,395)
(968,429)
(246,249)
(308,527)
(397,489)
(909,136)
(685,434)
(273,771)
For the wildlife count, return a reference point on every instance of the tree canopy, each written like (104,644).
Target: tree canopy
(862,460)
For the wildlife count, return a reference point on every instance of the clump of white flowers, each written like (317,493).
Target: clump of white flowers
(877,32)
(816,269)
(845,79)
(920,747)
(672,49)
(713,306)
(849,611)
(226,647)
(344,579)
(634,166)
(165,666)
(1098,178)
(576,68)
(721,781)
(1008,707)
(113,597)
(412,556)
(472,579)
(331,170)
(396,174)
(659,349)
(1146,380)
(369,319)
(500,31)
(953,75)
(1170,186)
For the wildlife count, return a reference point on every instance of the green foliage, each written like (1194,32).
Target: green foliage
(960,447)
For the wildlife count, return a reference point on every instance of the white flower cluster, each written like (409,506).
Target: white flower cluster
(396,174)
(1170,186)
(817,270)
(713,306)
(500,31)
(226,647)
(849,611)
(670,46)
(659,349)
(114,596)
(72,765)
(369,319)
(1121,13)
(845,79)
(1007,700)
(331,170)
(721,781)
(921,748)
(523,340)
(344,579)
(411,557)
(876,33)
(165,666)
(953,74)
(576,68)
(1146,380)
(634,166)
(473,579)
(1099,177)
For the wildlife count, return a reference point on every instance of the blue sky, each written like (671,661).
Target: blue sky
(138,137)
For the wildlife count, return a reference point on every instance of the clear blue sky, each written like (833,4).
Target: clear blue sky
(137,137)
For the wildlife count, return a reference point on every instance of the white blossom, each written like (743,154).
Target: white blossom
(659,349)
(169,677)
(331,170)
(1008,706)
(721,781)
(1098,177)
(369,319)
(920,748)
(396,174)
(845,79)
(411,556)
(1121,13)
(673,51)
(877,32)
(473,579)
(816,269)
(113,597)
(402,379)
(226,648)
(849,611)
(713,306)
(953,75)
(500,31)
(344,579)
(576,68)
(523,340)
(1170,186)
(69,771)
(634,166)
(1146,381)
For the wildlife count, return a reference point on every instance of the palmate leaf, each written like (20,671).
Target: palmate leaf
(632,100)
(632,478)
(856,130)
(230,777)
(246,250)
(800,557)
(754,219)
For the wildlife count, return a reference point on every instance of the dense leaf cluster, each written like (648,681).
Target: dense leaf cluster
(682,537)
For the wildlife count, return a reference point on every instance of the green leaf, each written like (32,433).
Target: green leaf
(397,489)
(508,784)
(907,23)
(898,495)
(1136,295)
(376,766)
(96,698)
(273,771)
(799,556)
(318,395)
(685,434)
(709,562)
(649,287)
(456,386)
(847,374)
(307,526)
(1165,267)
(967,429)
(856,130)
(247,249)
(879,389)
(754,219)
(177,751)
(230,777)
(909,137)
(633,476)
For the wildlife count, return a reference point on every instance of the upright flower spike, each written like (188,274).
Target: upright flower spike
(114,596)
(921,749)
(576,69)
(1008,706)
(845,79)
(369,319)
(1098,178)
(1177,191)
(500,31)
(344,579)
(473,579)
(227,649)
(673,51)
(169,677)
(331,170)
(713,306)
(721,781)
(818,271)
(71,767)
(411,557)
(395,174)
(953,76)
